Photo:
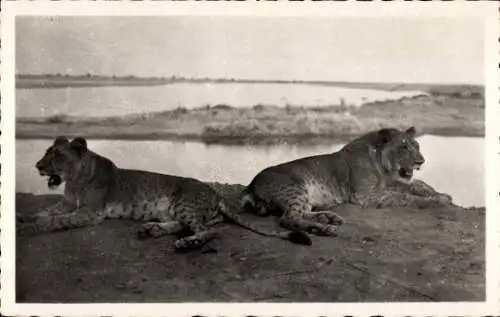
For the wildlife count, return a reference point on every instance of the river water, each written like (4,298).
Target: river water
(110,101)
(446,168)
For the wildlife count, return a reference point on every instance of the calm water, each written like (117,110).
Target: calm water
(238,164)
(107,101)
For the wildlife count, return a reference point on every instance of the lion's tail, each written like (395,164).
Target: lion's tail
(298,237)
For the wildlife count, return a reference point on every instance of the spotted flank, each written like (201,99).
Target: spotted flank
(96,190)
(374,170)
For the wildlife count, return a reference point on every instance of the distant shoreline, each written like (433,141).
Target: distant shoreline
(240,141)
(266,125)
(64,81)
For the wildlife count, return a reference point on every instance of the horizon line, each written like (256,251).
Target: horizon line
(179,77)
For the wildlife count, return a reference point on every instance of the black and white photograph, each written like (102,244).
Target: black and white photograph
(219,157)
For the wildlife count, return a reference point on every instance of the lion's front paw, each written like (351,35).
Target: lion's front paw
(440,200)
(25,218)
(327,217)
(436,201)
(444,199)
(189,243)
(150,229)
(20,218)
(325,230)
(26,229)
(42,214)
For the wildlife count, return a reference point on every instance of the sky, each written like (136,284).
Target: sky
(388,49)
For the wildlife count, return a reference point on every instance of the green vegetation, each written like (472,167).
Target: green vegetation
(442,114)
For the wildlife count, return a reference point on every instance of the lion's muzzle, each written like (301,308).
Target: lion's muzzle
(419,162)
(42,168)
(405,173)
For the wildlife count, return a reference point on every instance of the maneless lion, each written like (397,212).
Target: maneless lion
(97,189)
(374,170)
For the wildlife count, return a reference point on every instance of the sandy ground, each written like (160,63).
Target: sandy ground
(379,255)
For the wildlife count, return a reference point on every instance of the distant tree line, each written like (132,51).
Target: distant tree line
(173,78)
(85,76)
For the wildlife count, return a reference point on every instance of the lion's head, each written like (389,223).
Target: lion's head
(399,153)
(61,159)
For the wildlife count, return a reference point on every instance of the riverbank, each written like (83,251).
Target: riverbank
(32,81)
(268,124)
(380,255)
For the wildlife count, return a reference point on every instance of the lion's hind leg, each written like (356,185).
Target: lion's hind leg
(301,221)
(158,229)
(257,206)
(288,198)
(263,209)
(202,235)
(297,215)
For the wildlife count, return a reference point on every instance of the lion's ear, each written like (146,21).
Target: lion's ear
(411,132)
(60,140)
(384,136)
(79,144)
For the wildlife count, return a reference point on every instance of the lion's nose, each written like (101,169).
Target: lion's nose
(39,165)
(420,161)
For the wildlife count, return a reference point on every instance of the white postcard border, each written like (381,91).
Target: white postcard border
(487,11)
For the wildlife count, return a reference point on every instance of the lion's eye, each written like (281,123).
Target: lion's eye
(57,153)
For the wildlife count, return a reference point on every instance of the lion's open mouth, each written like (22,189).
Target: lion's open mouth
(54,181)
(405,173)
